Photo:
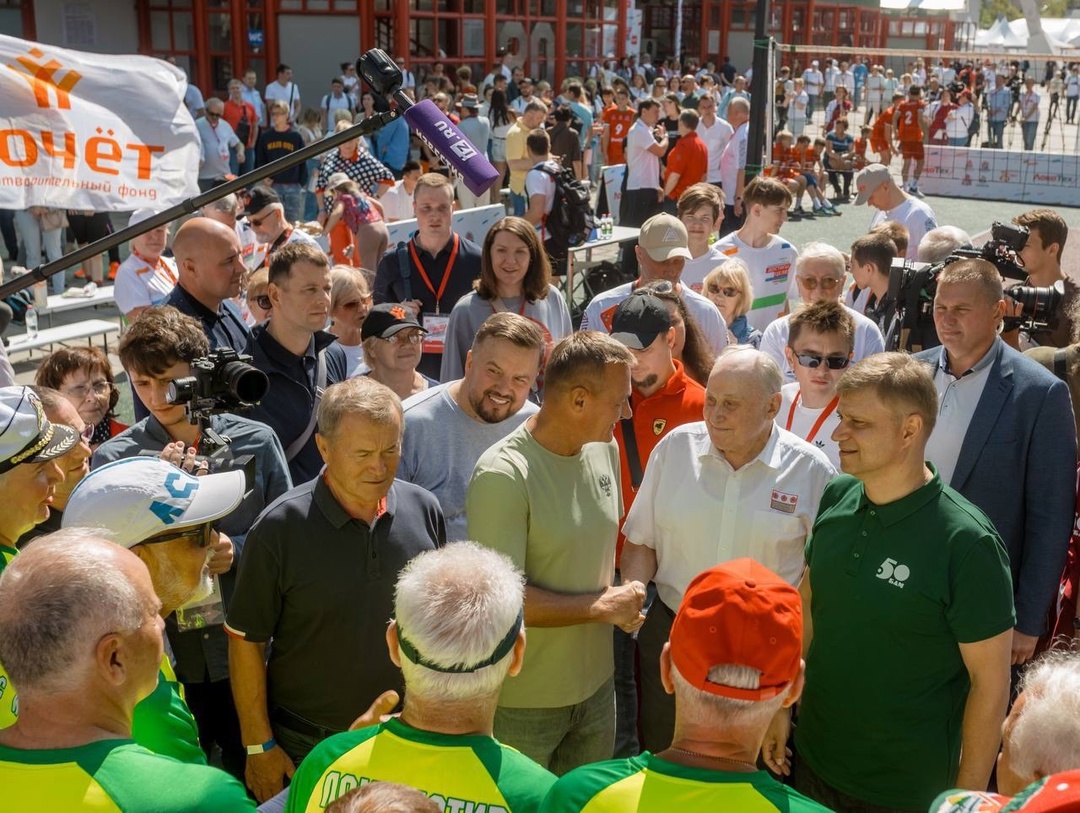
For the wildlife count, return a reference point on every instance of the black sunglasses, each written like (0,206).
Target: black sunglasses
(186,533)
(812,360)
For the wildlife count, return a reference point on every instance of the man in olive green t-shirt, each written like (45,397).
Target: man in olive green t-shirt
(81,635)
(548,496)
(911,614)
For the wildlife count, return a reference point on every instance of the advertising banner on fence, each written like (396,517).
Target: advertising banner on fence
(1049,179)
(91,131)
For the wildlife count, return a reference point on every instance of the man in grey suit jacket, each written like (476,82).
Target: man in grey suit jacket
(1005,438)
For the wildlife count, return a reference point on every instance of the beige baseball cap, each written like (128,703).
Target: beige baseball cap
(663,237)
(868,180)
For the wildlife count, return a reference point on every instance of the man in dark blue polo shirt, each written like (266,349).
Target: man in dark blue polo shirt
(429,273)
(210,268)
(317,577)
(300,358)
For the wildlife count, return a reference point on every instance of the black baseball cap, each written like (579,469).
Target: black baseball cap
(258,198)
(387,319)
(639,319)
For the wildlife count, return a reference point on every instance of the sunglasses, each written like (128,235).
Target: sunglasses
(255,222)
(405,337)
(200,533)
(263,301)
(210,115)
(813,283)
(729,293)
(813,361)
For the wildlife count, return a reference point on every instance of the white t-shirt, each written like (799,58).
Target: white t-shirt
(801,421)
(216,141)
(290,94)
(716,138)
(295,236)
(397,203)
(771,268)
(813,80)
(330,103)
(797,106)
(642,165)
(695,271)
(142,285)
(731,161)
(600,310)
(868,340)
(914,215)
(538,182)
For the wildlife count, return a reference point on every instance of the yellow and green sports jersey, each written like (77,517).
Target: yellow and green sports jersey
(462,773)
(647,783)
(113,776)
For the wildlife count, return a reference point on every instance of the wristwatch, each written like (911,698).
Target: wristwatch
(254,750)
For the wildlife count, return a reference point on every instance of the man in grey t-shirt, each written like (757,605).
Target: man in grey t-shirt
(448,427)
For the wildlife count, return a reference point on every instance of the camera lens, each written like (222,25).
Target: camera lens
(181,390)
(246,383)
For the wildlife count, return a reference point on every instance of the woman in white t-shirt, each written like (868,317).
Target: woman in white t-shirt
(145,278)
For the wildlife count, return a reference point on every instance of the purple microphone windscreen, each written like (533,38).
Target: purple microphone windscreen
(441,135)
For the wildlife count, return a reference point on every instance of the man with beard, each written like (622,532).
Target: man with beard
(448,427)
(165,516)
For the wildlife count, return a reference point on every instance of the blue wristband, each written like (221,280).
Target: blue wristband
(254,750)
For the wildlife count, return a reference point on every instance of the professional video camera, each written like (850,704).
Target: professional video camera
(222,381)
(912,287)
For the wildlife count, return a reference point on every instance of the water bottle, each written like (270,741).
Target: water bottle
(31,322)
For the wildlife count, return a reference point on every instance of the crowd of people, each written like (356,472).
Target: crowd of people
(750,535)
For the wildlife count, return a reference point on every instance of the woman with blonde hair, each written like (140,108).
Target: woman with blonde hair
(728,287)
(350,301)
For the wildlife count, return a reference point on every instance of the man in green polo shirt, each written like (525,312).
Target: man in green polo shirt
(457,633)
(907,671)
(81,634)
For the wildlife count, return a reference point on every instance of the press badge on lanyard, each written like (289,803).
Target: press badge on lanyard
(435,323)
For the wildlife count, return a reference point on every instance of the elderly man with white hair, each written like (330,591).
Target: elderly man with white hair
(80,633)
(937,244)
(730,486)
(458,632)
(819,272)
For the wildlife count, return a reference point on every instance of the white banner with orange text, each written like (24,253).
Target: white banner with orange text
(1048,179)
(92,132)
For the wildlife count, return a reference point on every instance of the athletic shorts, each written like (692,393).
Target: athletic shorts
(86,229)
(912,149)
(879,145)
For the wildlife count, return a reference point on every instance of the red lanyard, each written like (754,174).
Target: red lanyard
(824,416)
(446,274)
(282,239)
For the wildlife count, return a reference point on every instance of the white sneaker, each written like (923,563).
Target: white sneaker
(914,190)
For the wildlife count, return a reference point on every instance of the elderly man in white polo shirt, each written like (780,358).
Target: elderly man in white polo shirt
(733,485)
(819,273)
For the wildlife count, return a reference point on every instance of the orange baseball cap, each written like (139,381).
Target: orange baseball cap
(739,614)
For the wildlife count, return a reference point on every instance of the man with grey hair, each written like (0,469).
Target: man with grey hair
(819,272)
(218,141)
(80,634)
(458,632)
(937,244)
(910,593)
(317,576)
(727,685)
(732,485)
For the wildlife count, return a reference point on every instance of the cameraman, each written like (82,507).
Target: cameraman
(1041,257)
(158,347)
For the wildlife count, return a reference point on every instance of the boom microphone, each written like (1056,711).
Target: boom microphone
(442,136)
(433,127)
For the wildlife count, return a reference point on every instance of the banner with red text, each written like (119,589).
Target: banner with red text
(94,132)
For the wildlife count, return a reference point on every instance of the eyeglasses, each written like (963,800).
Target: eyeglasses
(82,390)
(210,115)
(405,337)
(825,283)
(813,361)
(726,291)
(255,222)
(263,301)
(197,533)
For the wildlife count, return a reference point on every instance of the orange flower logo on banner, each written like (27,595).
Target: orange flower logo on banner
(41,79)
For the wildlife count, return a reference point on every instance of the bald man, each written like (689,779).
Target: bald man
(72,748)
(209,261)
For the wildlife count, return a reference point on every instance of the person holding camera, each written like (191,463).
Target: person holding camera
(1004,438)
(1041,258)
(156,350)
(299,356)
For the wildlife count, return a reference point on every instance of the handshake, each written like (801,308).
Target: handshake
(621,605)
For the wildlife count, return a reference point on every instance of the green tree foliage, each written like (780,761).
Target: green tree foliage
(992,9)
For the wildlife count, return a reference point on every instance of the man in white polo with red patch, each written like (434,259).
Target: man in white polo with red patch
(731,486)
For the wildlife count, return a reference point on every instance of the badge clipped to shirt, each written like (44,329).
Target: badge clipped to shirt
(435,338)
(781,501)
(203,612)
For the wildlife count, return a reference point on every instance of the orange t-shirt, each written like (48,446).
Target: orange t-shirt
(804,158)
(619,123)
(878,133)
(681,400)
(860,152)
(908,127)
